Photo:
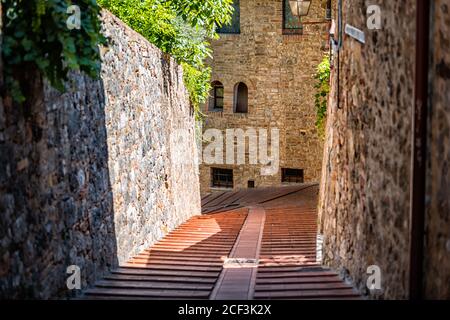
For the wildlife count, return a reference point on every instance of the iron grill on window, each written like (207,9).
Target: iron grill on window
(216,97)
(292,175)
(222,178)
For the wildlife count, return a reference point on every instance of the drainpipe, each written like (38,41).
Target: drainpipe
(340,35)
(419,148)
(328,10)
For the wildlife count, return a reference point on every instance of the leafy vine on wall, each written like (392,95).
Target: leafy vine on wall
(321,98)
(37,34)
(41,34)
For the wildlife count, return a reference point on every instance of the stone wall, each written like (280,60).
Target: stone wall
(364,199)
(278,70)
(90,177)
(437,240)
(152,150)
(365,191)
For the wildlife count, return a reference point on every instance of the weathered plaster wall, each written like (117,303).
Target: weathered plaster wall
(90,177)
(437,239)
(364,198)
(278,70)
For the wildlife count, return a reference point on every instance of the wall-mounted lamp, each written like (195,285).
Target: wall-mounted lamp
(300,8)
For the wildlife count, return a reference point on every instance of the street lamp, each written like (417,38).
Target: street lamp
(300,8)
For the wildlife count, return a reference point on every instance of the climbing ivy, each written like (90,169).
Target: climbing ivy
(181,28)
(38,34)
(321,98)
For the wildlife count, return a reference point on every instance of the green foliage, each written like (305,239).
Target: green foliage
(36,35)
(198,85)
(181,28)
(205,14)
(323,89)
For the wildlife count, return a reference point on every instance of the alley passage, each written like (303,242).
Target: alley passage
(249,244)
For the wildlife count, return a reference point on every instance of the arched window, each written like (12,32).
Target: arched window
(241,98)
(216,96)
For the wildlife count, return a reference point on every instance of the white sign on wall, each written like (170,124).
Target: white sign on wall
(355,33)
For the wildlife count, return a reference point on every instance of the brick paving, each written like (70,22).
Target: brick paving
(265,249)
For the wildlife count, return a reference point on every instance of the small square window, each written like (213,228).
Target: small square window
(251,183)
(221,178)
(292,175)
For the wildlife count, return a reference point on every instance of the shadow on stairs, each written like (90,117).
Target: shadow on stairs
(249,244)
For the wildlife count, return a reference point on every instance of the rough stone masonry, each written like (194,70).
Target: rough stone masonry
(364,204)
(278,69)
(89,177)
(365,187)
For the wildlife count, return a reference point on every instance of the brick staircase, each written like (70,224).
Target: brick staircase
(260,245)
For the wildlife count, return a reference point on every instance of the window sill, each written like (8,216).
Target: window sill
(292,32)
(285,183)
(229,33)
(221,188)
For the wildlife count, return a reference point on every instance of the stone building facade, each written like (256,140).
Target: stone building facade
(90,177)
(365,196)
(259,60)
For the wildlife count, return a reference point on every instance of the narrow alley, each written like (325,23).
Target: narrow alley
(225,150)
